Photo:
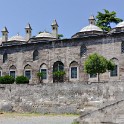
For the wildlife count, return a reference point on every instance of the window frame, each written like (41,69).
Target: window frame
(46,72)
(93,76)
(71,73)
(111,72)
(13,71)
(30,73)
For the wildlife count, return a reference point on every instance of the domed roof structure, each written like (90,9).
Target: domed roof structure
(45,35)
(119,25)
(89,30)
(17,38)
(91,27)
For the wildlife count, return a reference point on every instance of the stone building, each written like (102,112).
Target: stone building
(47,53)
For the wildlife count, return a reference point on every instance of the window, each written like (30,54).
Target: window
(73,72)
(28,74)
(12,73)
(114,72)
(83,50)
(5,57)
(122,47)
(28,71)
(0,73)
(93,75)
(44,71)
(35,55)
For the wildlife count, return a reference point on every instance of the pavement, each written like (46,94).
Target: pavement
(37,120)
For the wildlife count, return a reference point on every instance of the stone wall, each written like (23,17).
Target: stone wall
(59,98)
(66,51)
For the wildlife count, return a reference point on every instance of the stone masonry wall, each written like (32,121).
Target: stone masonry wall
(58,98)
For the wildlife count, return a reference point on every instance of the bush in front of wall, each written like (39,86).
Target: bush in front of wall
(7,79)
(22,80)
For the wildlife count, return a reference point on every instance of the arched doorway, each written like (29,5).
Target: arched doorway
(58,67)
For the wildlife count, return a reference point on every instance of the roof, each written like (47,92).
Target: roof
(28,26)
(119,25)
(5,30)
(17,38)
(45,35)
(92,17)
(91,27)
(54,23)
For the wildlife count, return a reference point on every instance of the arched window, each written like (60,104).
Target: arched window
(122,47)
(83,50)
(57,67)
(44,70)
(114,72)
(28,72)
(35,55)
(5,57)
(74,70)
(12,71)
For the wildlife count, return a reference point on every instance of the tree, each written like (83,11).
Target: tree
(104,20)
(60,36)
(40,76)
(59,75)
(97,64)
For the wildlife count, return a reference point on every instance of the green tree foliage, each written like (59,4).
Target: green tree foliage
(104,20)
(7,79)
(40,76)
(59,75)
(60,36)
(22,80)
(97,64)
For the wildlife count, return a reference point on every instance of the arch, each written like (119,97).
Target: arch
(58,66)
(83,50)
(35,55)
(28,71)
(74,70)
(115,71)
(122,47)
(5,57)
(73,63)
(12,71)
(44,70)
(12,67)
(27,67)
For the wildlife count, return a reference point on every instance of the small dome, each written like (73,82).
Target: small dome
(45,35)
(119,25)
(17,38)
(91,27)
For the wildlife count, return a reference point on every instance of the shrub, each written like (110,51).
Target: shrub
(22,80)
(40,76)
(7,79)
(59,76)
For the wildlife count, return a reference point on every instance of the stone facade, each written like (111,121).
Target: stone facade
(18,55)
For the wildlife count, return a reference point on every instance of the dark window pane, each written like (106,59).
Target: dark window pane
(5,57)
(114,72)
(0,73)
(35,55)
(122,47)
(93,75)
(28,74)
(12,73)
(44,71)
(73,72)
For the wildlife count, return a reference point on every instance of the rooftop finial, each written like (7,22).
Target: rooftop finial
(92,20)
